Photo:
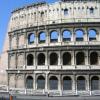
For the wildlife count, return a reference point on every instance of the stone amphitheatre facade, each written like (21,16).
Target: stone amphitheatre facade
(53,49)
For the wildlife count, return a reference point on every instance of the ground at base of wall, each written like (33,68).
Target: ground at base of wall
(6,96)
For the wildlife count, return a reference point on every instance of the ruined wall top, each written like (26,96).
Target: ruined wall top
(62,11)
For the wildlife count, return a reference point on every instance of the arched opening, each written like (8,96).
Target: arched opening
(42,37)
(66,35)
(67,83)
(65,12)
(31,38)
(42,15)
(40,82)
(35,18)
(53,59)
(53,83)
(91,10)
(79,35)
(29,60)
(54,36)
(29,82)
(41,59)
(93,58)
(80,58)
(95,83)
(92,34)
(81,83)
(66,58)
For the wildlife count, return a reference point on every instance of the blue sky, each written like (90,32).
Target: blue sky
(6,7)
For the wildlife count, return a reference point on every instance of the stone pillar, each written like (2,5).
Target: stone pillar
(16,79)
(73,58)
(59,84)
(73,83)
(98,35)
(36,40)
(25,82)
(48,38)
(59,58)
(35,59)
(86,58)
(89,57)
(74,53)
(98,58)
(9,61)
(10,41)
(16,62)
(46,82)
(75,80)
(8,80)
(73,36)
(46,58)
(34,81)
(26,40)
(85,35)
(87,83)
(59,36)
(25,60)
(60,12)
(17,41)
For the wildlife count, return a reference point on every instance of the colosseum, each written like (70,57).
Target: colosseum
(53,51)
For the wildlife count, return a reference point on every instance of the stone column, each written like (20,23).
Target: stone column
(98,58)
(59,36)
(16,62)
(46,58)
(25,82)
(35,59)
(34,81)
(85,35)
(59,84)
(25,60)
(74,53)
(87,83)
(46,82)
(36,40)
(59,58)
(9,58)
(73,83)
(86,58)
(7,82)
(73,58)
(75,80)
(25,40)
(60,12)
(73,36)
(10,42)
(47,36)
(17,41)
(16,79)
(98,35)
